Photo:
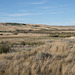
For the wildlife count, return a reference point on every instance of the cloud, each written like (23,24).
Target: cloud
(9,19)
(55,12)
(47,7)
(39,3)
(23,14)
(26,14)
(18,14)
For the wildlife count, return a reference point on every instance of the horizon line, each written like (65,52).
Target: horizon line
(37,24)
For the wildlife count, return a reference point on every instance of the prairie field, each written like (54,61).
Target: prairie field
(37,49)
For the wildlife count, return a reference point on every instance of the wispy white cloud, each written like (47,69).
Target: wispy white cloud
(39,3)
(23,14)
(47,7)
(23,10)
(9,19)
(18,14)
(30,14)
(27,14)
(55,12)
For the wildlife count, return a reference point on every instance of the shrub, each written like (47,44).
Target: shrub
(4,47)
(15,33)
(31,43)
(22,43)
(42,56)
(63,34)
(34,43)
(1,34)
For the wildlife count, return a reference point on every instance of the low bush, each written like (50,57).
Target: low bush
(22,43)
(15,33)
(31,43)
(4,47)
(42,56)
(63,34)
(1,34)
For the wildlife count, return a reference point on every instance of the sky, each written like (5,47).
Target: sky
(49,12)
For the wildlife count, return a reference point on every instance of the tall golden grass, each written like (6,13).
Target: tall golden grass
(53,58)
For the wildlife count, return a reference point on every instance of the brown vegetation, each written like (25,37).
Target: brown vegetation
(54,58)
(35,52)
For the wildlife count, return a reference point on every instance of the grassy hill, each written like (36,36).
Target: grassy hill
(37,49)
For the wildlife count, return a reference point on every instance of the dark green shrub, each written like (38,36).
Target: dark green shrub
(1,34)
(13,24)
(34,43)
(4,47)
(31,43)
(22,43)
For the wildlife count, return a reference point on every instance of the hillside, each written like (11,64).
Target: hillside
(14,26)
(37,49)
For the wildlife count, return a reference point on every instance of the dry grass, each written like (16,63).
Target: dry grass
(10,27)
(55,57)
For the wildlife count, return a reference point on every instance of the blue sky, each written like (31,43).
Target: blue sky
(50,12)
